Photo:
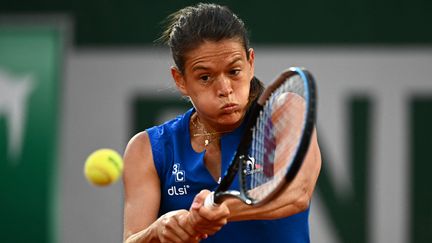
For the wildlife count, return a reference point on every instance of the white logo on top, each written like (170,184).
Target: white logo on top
(179,175)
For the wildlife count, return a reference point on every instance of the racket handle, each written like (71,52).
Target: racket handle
(209,200)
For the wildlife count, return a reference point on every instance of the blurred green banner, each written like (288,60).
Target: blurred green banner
(30,73)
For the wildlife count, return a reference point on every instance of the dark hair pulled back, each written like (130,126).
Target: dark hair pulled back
(191,26)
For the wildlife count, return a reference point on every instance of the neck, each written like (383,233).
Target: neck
(207,135)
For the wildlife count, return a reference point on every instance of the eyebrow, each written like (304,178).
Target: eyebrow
(201,67)
(237,59)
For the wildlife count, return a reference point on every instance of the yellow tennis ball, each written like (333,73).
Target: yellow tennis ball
(103,167)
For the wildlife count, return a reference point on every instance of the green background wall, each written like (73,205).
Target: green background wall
(134,22)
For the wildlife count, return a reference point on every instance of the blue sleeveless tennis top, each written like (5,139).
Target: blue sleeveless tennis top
(183,174)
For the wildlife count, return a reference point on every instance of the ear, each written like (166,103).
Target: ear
(252,62)
(179,80)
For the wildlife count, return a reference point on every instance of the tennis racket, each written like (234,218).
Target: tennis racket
(277,137)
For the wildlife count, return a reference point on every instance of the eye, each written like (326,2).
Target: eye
(205,78)
(234,72)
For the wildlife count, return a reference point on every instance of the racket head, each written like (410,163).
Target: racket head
(276,139)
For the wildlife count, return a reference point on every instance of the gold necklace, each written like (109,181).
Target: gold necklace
(209,137)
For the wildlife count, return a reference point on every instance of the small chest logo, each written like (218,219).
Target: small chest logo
(178,190)
(179,175)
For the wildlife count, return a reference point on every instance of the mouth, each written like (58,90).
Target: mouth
(230,107)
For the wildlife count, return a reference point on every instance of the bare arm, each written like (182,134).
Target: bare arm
(141,189)
(294,199)
(142,199)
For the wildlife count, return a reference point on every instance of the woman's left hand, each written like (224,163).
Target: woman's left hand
(207,220)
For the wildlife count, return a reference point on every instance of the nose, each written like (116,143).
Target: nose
(224,87)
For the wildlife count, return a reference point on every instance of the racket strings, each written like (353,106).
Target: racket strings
(275,137)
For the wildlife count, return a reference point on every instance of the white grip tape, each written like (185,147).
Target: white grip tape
(209,200)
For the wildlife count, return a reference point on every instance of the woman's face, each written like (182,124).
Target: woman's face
(217,79)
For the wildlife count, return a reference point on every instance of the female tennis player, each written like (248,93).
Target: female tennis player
(170,168)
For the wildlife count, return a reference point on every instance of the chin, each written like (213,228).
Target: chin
(231,119)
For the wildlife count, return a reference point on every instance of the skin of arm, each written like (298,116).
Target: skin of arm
(293,199)
(142,199)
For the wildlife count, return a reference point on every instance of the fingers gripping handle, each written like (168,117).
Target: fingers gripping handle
(209,201)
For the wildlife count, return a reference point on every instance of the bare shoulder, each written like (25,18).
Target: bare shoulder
(138,156)
(138,143)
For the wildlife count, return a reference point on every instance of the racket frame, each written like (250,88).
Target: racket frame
(241,155)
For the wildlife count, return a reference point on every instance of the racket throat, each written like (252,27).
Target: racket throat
(221,196)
